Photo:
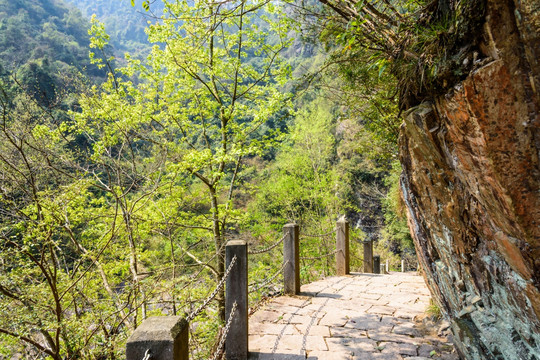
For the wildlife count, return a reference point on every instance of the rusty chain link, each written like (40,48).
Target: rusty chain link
(214,293)
(225,332)
(263,250)
(267,280)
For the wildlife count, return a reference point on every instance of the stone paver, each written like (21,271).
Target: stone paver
(356,317)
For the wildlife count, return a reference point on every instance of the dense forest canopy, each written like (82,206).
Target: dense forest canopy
(125,23)
(44,42)
(122,179)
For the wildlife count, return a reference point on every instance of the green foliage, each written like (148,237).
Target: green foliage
(44,44)
(56,240)
(183,132)
(301,182)
(396,233)
(121,210)
(198,109)
(369,96)
(434,311)
(124,20)
(381,56)
(304,185)
(426,46)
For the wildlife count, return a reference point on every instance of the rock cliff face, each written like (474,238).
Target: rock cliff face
(471,183)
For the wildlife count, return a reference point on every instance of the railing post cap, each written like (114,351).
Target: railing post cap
(290,225)
(158,328)
(236,242)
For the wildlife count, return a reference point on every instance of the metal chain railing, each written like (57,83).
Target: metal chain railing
(147,355)
(292,232)
(267,280)
(321,256)
(217,353)
(318,235)
(214,293)
(263,250)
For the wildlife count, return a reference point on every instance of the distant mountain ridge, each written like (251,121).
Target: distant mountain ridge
(43,42)
(33,30)
(124,22)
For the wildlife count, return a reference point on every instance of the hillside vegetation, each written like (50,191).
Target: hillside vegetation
(121,184)
(125,23)
(42,43)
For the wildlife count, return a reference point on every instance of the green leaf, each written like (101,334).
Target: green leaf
(382,67)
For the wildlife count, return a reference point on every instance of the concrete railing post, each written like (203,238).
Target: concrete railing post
(402,265)
(236,343)
(159,338)
(376,264)
(291,257)
(368,256)
(342,248)
(387,268)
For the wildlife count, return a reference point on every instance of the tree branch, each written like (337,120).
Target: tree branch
(29,341)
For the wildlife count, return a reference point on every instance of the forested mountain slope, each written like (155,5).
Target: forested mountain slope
(123,199)
(43,39)
(120,209)
(124,22)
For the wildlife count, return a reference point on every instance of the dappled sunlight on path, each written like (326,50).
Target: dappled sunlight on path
(361,316)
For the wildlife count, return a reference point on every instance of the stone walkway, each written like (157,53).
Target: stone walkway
(361,316)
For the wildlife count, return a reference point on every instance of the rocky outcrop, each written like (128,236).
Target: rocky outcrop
(471,183)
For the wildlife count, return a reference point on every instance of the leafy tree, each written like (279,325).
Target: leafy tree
(209,85)
(61,263)
(301,184)
(371,45)
(106,211)
(305,185)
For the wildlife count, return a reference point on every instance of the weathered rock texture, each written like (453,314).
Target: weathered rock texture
(471,183)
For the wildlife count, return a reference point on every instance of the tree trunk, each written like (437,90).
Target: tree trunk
(220,253)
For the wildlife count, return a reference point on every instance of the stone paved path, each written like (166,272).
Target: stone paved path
(361,316)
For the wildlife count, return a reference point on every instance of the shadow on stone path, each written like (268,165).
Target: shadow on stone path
(356,317)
